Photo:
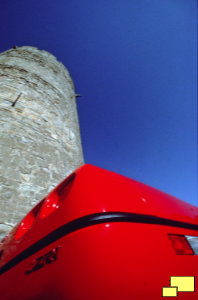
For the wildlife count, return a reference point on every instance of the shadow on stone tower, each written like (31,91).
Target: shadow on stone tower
(40,138)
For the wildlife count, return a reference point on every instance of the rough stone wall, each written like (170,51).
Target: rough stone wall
(39,131)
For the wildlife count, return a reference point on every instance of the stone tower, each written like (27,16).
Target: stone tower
(39,131)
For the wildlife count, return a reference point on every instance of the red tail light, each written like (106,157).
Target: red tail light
(24,226)
(50,205)
(180,244)
(46,206)
(64,187)
(27,222)
(55,198)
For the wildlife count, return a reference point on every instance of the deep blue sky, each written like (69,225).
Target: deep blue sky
(134,62)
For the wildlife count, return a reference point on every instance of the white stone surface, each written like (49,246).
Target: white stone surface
(39,136)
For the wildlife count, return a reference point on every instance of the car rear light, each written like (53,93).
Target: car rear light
(193,241)
(180,244)
(50,205)
(24,226)
(27,222)
(64,188)
(54,199)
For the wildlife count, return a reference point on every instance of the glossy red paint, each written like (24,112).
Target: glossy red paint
(114,260)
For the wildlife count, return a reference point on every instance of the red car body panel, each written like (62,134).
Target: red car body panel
(108,240)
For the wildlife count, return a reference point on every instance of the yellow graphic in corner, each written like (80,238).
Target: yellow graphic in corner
(183,283)
(169,291)
(179,284)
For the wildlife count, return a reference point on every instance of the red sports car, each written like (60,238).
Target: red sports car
(101,236)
